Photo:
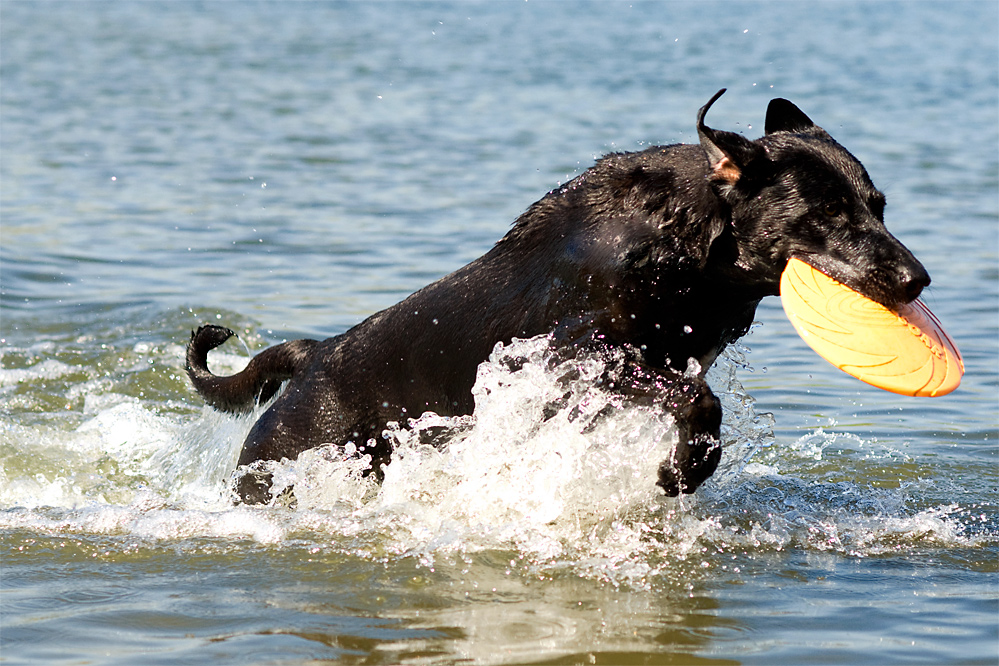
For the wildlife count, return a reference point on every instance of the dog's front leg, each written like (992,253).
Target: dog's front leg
(697,413)
(698,449)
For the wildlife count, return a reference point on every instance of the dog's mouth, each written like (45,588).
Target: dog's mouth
(893,286)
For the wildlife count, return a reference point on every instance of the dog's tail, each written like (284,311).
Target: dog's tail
(258,382)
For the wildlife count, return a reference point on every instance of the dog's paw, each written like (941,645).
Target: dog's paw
(698,448)
(253,487)
(690,466)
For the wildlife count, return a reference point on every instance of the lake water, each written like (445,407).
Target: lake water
(287,169)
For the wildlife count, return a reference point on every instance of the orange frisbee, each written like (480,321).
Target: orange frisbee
(904,352)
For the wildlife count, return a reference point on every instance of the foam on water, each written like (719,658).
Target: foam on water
(552,467)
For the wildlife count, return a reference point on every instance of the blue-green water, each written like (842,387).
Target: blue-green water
(289,168)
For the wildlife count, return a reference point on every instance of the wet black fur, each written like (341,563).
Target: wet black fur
(664,253)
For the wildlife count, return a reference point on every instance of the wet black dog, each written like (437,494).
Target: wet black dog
(664,253)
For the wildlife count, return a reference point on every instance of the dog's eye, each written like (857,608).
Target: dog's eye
(833,208)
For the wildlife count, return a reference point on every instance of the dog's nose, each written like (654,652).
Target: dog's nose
(913,281)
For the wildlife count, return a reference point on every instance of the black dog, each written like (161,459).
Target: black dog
(663,253)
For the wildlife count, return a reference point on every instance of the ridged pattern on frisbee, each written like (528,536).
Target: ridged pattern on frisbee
(906,352)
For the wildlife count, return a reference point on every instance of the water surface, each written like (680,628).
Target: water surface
(287,169)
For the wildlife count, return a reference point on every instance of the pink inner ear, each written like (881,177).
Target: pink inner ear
(726,170)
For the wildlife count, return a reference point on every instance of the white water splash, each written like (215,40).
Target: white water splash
(551,467)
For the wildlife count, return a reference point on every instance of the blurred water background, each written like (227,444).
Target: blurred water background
(287,169)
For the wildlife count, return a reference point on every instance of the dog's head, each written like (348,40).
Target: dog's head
(795,192)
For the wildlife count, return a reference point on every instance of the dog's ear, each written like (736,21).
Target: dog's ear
(783,116)
(728,153)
